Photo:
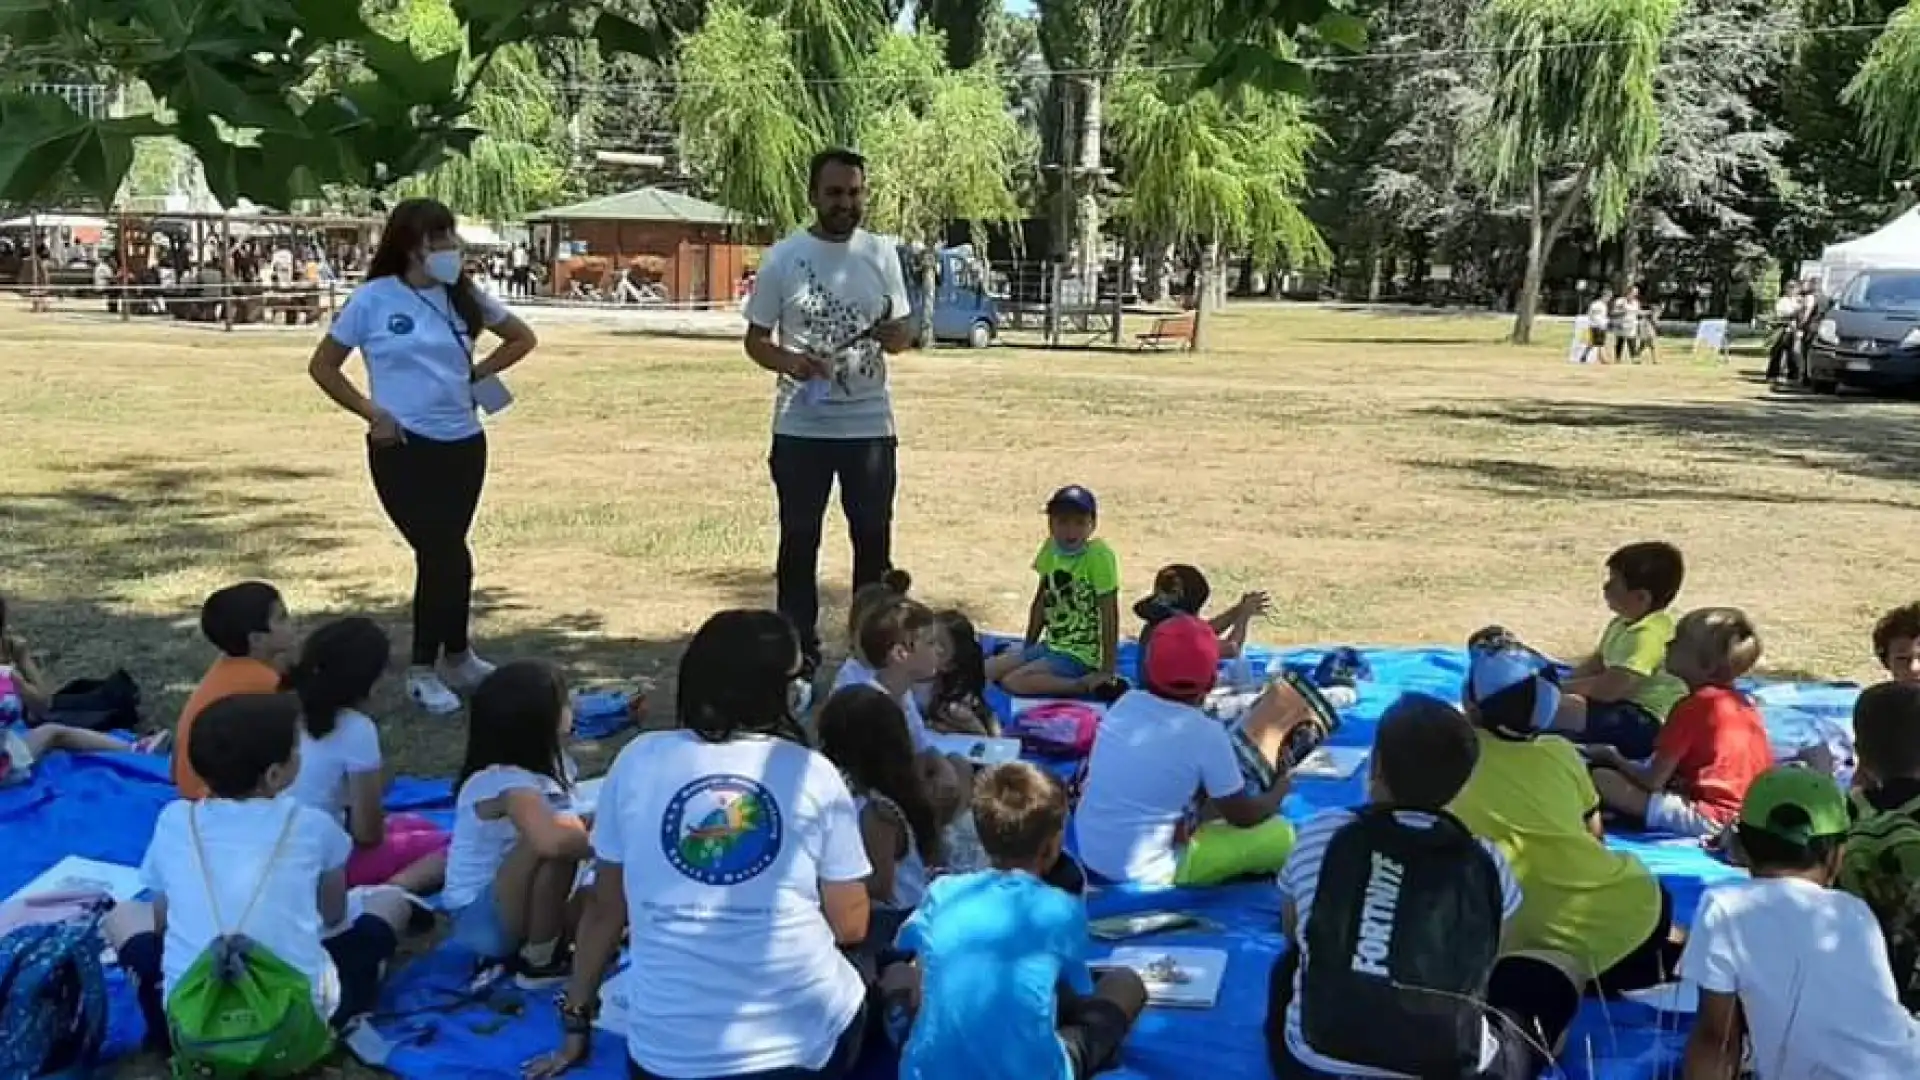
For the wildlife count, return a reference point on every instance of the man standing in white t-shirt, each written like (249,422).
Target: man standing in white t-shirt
(828,306)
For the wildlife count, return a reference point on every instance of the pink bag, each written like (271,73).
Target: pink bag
(1058,729)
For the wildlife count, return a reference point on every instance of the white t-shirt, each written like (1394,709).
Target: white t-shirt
(1810,966)
(724,847)
(479,847)
(237,840)
(419,356)
(1299,879)
(1786,307)
(1149,759)
(855,672)
(818,296)
(1597,315)
(350,749)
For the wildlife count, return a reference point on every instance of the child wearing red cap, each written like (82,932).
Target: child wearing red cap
(1073,628)
(1139,817)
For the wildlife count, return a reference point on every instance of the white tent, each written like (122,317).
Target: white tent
(1895,246)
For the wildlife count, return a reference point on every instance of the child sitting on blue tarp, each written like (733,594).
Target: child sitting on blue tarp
(1621,694)
(1396,915)
(1073,627)
(1001,989)
(1180,589)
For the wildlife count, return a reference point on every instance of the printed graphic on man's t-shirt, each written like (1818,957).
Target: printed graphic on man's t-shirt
(722,830)
(832,322)
(1073,614)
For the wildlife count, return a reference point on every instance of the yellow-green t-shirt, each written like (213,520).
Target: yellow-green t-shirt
(1641,647)
(1531,799)
(1074,585)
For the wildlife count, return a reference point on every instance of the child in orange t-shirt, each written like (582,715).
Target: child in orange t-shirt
(1711,747)
(248,623)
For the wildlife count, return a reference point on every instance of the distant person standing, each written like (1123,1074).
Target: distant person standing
(520,271)
(1781,359)
(415,321)
(1626,325)
(1595,347)
(828,306)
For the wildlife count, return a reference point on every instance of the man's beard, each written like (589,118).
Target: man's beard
(840,222)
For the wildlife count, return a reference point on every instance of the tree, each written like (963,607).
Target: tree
(1570,117)
(966,26)
(1083,41)
(1887,93)
(519,161)
(1215,169)
(236,81)
(747,123)
(920,176)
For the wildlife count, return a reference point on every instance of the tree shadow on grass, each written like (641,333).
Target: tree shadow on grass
(1875,441)
(75,552)
(1537,480)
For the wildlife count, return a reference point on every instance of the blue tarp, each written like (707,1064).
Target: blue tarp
(106,805)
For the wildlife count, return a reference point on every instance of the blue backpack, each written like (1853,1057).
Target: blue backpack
(53,999)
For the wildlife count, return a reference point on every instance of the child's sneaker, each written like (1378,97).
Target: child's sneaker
(465,671)
(555,972)
(432,695)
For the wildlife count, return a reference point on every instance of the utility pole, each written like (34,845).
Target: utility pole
(1063,206)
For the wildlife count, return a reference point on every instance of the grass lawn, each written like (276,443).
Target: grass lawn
(1391,479)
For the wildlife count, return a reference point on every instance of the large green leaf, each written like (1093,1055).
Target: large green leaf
(330,20)
(205,87)
(42,134)
(420,81)
(103,157)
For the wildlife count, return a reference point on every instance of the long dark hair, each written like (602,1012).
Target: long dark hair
(864,733)
(736,677)
(410,227)
(338,666)
(962,682)
(514,719)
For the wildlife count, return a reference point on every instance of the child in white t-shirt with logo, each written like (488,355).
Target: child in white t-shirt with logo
(516,846)
(249,860)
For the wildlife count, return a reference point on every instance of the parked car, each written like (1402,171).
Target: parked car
(963,310)
(1870,336)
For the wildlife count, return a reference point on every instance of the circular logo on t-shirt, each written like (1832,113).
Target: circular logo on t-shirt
(400,323)
(721,830)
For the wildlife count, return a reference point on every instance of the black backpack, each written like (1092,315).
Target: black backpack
(1401,941)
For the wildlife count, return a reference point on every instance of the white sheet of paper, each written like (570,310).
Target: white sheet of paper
(978,749)
(492,395)
(1333,762)
(75,874)
(1202,971)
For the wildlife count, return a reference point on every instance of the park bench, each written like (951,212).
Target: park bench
(1175,330)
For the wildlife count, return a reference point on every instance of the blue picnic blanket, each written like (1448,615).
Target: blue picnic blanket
(104,806)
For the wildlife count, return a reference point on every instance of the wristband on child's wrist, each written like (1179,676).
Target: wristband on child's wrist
(577,1019)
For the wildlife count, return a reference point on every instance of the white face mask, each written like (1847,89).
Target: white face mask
(443,266)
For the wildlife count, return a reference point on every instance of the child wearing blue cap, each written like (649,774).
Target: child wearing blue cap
(1532,796)
(1073,627)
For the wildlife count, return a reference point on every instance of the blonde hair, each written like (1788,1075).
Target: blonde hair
(1719,642)
(869,598)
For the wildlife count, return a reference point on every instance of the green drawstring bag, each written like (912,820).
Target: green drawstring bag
(240,1011)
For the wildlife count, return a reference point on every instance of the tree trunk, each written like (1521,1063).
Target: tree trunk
(1087,179)
(1153,286)
(929,293)
(1206,298)
(1542,231)
(1629,252)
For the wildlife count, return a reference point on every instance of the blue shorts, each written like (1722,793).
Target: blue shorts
(479,928)
(1622,725)
(1058,663)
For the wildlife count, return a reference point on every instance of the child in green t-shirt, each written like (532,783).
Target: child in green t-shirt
(1073,629)
(1620,695)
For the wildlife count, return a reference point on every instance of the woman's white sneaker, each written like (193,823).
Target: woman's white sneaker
(465,671)
(428,692)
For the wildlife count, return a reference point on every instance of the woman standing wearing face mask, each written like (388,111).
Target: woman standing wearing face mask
(415,322)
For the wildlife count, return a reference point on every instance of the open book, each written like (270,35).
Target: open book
(1175,978)
(977,749)
(1332,762)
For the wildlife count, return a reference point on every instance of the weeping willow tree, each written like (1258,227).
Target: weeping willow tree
(1886,91)
(519,162)
(940,145)
(1216,169)
(747,124)
(1569,115)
